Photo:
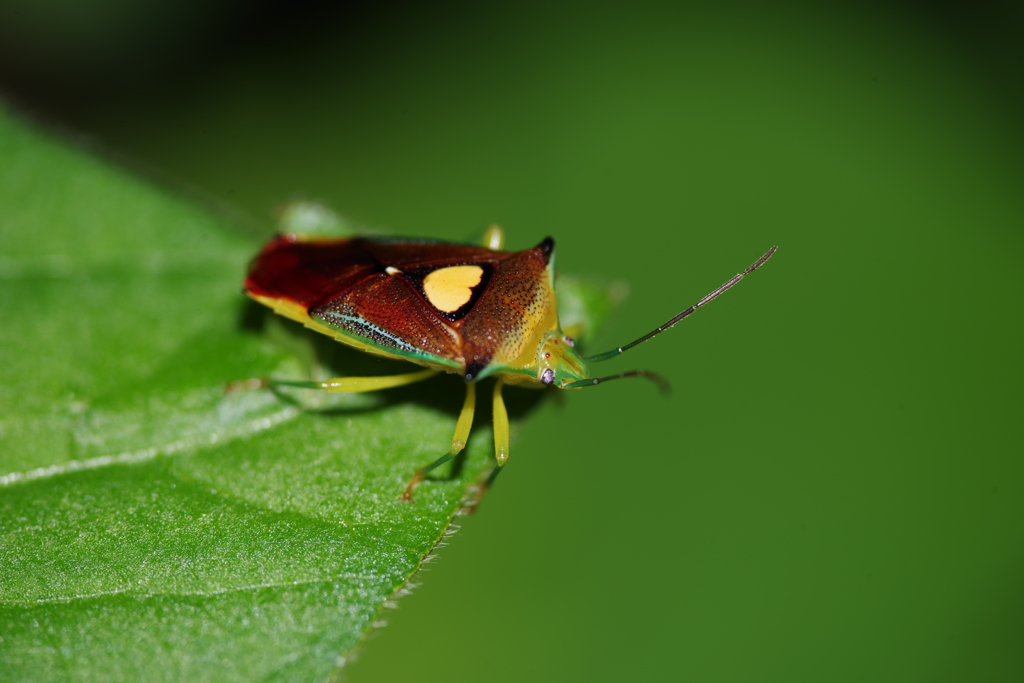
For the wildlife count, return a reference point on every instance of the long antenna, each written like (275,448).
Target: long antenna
(689,311)
(662,383)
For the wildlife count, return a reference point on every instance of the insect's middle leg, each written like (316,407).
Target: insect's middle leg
(459,440)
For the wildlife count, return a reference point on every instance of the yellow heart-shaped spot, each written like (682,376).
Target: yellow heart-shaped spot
(449,289)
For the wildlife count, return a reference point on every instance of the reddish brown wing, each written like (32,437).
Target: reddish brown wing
(371,289)
(308,273)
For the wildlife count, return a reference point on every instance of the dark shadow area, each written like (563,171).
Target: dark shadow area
(987,35)
(252,317)
(61,67)
(59,63)
(444,393)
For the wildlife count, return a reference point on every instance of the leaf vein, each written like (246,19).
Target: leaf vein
(145,454)
(198,593)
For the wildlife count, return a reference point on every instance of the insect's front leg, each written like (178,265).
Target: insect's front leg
(501,438)
(500,425)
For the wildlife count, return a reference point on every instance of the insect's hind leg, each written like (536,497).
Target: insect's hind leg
(335,385)
(357,384)
(459,440)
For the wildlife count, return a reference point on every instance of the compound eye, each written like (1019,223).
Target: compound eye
(569,340)
(547,377)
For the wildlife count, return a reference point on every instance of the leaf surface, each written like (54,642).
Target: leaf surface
(154,526)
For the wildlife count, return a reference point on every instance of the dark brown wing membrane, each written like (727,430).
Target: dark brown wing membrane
(314,272)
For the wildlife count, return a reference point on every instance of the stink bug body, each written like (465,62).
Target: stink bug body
(476,311)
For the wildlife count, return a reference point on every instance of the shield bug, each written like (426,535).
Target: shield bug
(476,311)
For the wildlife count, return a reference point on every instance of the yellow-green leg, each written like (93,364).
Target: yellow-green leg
(500,425)
(501,436)
(494,237)
(359,384)
(459,440)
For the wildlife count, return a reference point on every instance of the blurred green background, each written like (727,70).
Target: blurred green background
(835,490)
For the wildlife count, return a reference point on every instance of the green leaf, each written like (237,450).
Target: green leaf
(154,526)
